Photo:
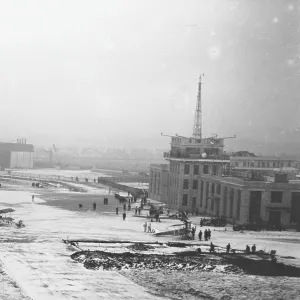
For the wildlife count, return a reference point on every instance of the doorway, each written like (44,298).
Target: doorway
(275,218)
(255,206)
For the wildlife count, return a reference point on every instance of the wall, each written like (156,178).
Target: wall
(21,160)
(5,159)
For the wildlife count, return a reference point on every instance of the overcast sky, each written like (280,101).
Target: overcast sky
(121,72)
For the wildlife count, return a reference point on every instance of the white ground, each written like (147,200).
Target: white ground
(136,184)
(43,267)
(81,174)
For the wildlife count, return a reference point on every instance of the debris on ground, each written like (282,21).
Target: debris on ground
(140,247)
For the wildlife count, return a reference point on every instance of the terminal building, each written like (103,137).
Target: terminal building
(202,179)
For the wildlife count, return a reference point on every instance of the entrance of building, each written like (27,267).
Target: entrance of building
(295,208)
(255,206)
(275,218)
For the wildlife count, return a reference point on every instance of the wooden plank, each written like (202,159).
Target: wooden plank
(107,241)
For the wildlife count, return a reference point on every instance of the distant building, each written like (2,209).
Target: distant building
(16,155)
(244,188)
(43,158)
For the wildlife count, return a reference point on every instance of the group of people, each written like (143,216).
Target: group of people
(147,226)
(207,235)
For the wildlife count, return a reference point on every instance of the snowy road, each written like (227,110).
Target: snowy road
(38,260)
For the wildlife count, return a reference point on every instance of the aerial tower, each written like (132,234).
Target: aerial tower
(197,132)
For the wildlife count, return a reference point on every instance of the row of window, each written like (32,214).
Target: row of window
(263,164)
(231,213)
(206,169)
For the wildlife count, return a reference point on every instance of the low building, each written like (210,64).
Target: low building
(203,179)
(16,156)
(158,184)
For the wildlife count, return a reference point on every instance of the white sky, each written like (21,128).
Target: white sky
(97,71)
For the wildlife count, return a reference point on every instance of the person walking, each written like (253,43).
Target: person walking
(201,222)
(145,226)
(94,205)
(193,232)
(124,216)
(200,235)
(139,210)
(205,235)
(117,210)
(149,227)
(136,209)
(208,234)
(212,248)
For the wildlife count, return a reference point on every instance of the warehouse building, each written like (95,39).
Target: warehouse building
(16,155)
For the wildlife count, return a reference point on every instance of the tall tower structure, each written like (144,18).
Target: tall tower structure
(197,132)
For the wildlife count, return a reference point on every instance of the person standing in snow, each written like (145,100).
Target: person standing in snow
(145,226)
(208,234)
(117,210)
(124,216)
(32,197)
(200,235)
(149,227)
(228,248)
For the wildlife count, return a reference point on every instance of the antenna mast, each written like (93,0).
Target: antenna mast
(197,132)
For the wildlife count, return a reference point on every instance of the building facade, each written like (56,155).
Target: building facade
(158,183)
(16,156)
(203,179)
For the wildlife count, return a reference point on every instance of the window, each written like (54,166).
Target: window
(202,193)
(252,164)
(205,169)
(263,164)
(276,197)
(238,206)
(213,188)
(196,169)
(186,169)
(268,164)
(194,202)
(244,164)
(195,184)
(214,170)
(184,200)
(218,189)
(185,184)
(207,194)
(258,164)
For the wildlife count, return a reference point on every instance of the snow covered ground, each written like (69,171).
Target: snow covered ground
(39,262)
(139,185)
(81,174)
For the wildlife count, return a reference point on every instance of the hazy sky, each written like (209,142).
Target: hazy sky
(121,72)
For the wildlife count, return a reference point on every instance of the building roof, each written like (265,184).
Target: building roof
(16,147)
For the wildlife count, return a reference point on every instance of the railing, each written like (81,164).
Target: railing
(195,156)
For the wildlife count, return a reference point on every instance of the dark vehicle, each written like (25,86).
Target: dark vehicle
(217,222)
(257,227)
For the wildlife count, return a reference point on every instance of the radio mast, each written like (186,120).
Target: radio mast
(197,132)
